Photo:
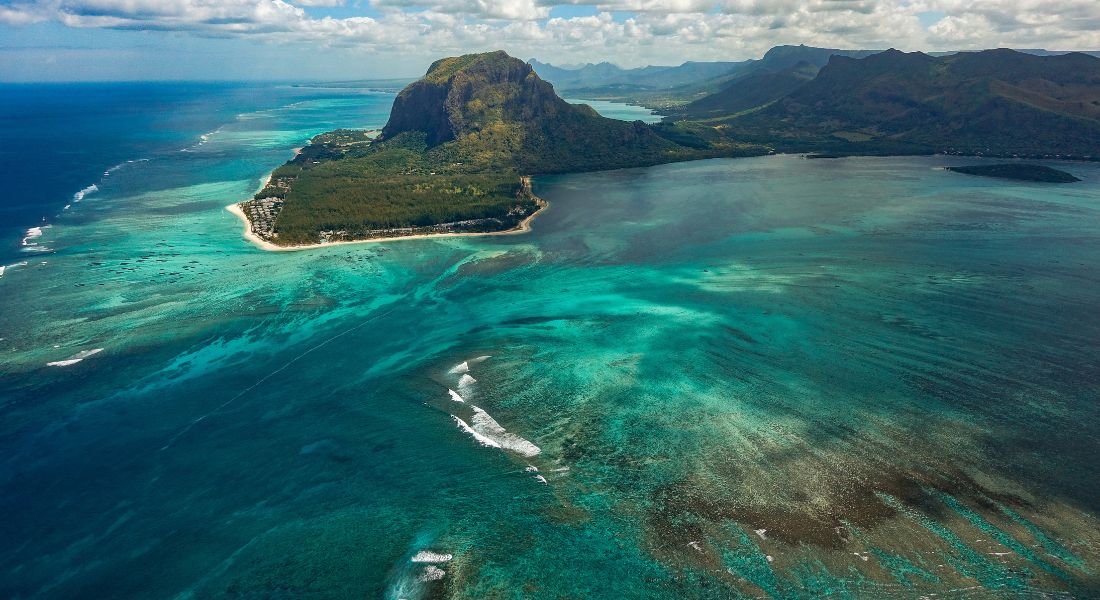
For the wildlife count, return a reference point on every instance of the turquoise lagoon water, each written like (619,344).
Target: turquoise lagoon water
(768,377)
(618,110)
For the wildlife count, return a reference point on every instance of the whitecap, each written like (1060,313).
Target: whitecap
(427,556)
(539,478)
(455,396)
(481,439)
(31,234)
(123,164)
(91,189)
(431,573)
(463,367)
(2,269)
(488,427)
(480,359)
(466,380)
(72,360)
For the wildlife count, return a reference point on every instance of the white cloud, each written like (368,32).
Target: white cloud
(642,32)
(521,10)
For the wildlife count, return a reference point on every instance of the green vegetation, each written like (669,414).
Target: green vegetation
(1022,172)
(459,141)
(453,155)
(993,103)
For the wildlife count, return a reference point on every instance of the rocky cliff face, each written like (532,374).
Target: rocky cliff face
(466,94)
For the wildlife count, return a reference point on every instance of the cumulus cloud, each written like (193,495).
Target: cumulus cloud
(521,10)
(631,32)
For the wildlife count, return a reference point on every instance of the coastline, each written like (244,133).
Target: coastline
(271,173)
(524,226)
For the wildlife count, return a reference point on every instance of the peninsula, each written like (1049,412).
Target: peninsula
(455,158)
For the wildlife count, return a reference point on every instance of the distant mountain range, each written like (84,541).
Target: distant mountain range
(666,87)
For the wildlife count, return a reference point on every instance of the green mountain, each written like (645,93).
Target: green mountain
(454,157)
(492,111)
(999,102)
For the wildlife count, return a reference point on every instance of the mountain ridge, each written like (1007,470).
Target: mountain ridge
(991,102)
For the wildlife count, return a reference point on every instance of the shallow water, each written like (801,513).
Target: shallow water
(757,377)
(618,110)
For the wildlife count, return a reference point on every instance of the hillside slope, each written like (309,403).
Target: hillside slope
(751,91)
(992,102)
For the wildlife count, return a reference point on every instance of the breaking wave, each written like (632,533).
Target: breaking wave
(427,556)
(91,189)
(29,245)
(481,439)
(454,394)
(409,577)
(123,164)
(489,433)
(72,360)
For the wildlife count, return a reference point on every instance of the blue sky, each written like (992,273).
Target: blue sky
(62,40)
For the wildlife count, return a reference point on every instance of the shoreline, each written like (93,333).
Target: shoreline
(524,226)
(271,173)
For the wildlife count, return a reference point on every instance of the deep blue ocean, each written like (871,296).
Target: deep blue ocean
(731,378)
(61,139)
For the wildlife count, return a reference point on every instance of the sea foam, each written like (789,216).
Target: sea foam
(4,268)
(466,380)
(29,245)
(32,234)
(427,556)
(463,367)
(91,189)
(123,164)
(72,360)
(481,439)
(432,573)
(488,427)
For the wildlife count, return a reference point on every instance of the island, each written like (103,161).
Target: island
(1018,171)
(456,158)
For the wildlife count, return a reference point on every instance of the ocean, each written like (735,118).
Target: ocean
(765,377)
